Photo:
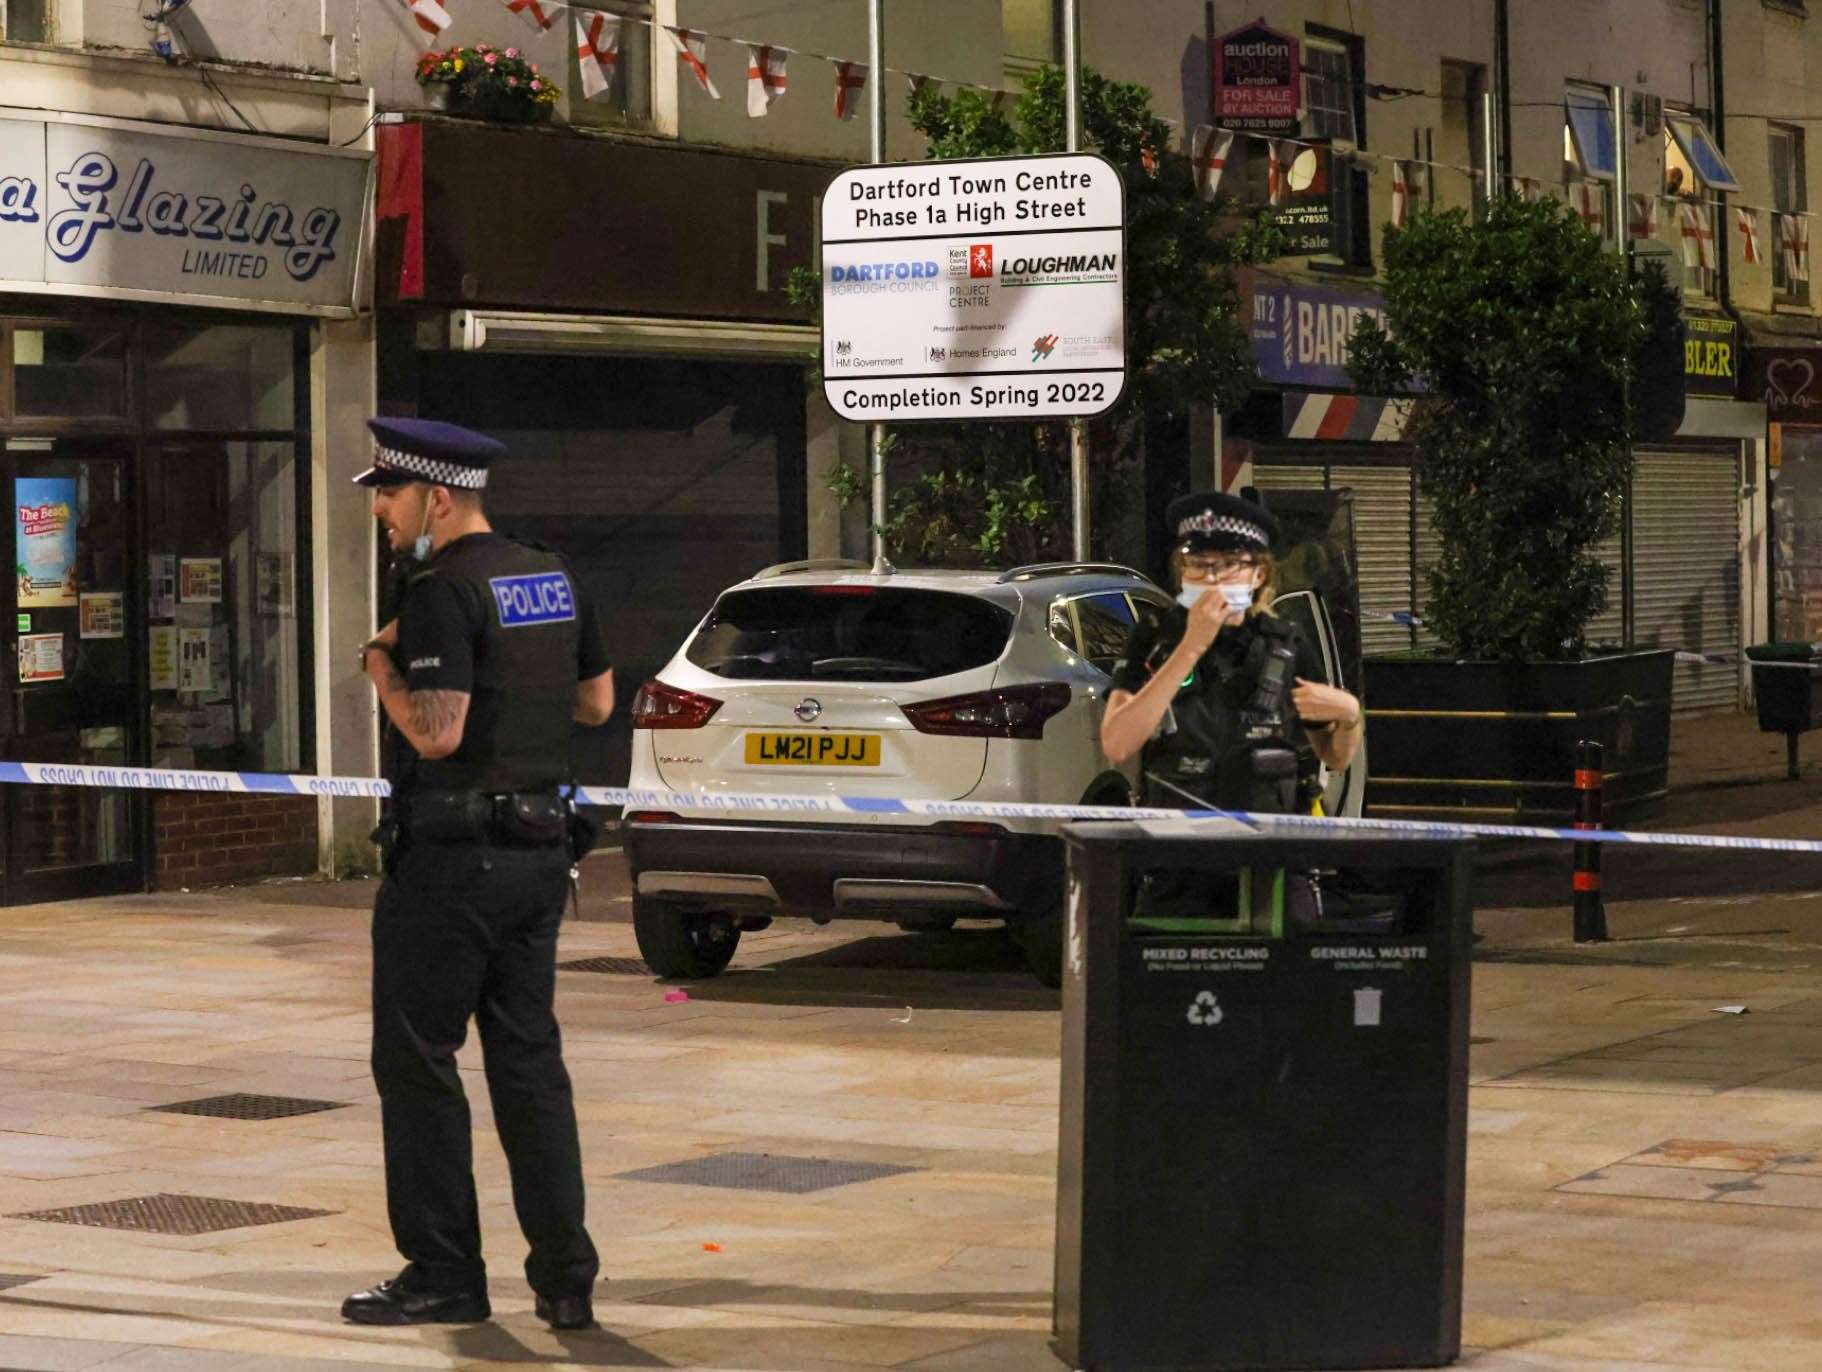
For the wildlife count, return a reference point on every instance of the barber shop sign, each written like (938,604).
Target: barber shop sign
(107,207)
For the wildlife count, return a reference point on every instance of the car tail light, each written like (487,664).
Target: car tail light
(1009,712)
(969,828)
(652,817)
(839,589)
(658,706)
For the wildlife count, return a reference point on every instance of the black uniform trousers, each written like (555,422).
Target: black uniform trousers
(464,930)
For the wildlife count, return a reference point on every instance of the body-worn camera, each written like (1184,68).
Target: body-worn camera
(1259,772)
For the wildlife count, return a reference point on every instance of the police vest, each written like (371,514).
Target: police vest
(520,715)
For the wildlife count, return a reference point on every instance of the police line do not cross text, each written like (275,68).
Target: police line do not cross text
(987,289)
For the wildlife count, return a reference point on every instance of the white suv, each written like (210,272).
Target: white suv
(826,678)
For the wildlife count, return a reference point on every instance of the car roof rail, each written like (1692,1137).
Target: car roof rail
(1035,570)
(811,564)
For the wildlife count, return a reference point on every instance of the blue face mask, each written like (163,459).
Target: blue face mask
(420,546)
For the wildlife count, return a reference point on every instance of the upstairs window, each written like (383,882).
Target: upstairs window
(1789,195)
(25,21)
(1329,83)
(1588,147)
(1691,157)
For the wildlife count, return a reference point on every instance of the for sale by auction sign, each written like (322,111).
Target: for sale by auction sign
(1258,83)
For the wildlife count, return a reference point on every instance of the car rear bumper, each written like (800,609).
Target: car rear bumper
(842,871)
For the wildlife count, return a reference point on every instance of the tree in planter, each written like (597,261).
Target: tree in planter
(1524,332)
(999,493)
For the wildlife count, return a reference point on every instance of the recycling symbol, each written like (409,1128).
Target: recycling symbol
(1205,1010)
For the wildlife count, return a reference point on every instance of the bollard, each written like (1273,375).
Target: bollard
(1590,911)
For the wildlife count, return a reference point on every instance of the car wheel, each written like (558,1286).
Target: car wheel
(683,945)
(1041,939)
(926,924)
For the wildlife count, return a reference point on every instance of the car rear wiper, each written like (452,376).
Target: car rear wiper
(863,667)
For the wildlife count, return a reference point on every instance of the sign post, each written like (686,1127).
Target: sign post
(989,289)
(876,134)
(1072,129)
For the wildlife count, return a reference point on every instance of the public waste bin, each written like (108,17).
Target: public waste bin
(1262,1153)
(1787,684)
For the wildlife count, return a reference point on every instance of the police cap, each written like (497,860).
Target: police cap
(407,450)
(1210,521)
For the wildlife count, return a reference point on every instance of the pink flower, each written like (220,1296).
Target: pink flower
(482,47)
(512,52)
(492,58)
(537,85)
(512,80)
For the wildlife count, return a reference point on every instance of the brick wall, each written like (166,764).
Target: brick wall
(215,840)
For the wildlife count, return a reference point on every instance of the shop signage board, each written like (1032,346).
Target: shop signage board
(988,289)
(1301,334)
(1258,81)
(1711,356)
(109,207)
(1789,380)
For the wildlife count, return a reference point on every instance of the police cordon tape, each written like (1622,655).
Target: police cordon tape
(742,803)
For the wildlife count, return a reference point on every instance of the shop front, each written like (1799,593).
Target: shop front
(157,289)
(616,313)
(1785,371)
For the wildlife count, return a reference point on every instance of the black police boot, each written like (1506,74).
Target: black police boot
(566,1312)
(391,1302)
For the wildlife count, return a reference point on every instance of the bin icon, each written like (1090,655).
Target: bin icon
(1263,1124)
(1787,684)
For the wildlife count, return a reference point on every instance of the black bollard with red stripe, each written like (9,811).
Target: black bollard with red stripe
(1590,911)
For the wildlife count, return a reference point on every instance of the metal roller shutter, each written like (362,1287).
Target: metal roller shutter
(1608,628)
(1382,534)
(1686,546)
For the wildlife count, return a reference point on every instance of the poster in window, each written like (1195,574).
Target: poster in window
(44,537)
(199,580)
(41,657)
(193,659)
(161,582)
(103,614)
(272,584)
(163,652)
(221,682)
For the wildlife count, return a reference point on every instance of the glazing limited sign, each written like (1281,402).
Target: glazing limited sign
(974,290)
(111,208)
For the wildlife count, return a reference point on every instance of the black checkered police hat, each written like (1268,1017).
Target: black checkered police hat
(407,450)
(1211,522)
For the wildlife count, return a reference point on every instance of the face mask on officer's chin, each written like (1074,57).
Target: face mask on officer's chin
(420,546)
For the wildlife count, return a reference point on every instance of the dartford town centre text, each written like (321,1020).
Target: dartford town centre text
(975,200)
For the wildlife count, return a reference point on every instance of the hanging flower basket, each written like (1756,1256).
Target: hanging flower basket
(485,82)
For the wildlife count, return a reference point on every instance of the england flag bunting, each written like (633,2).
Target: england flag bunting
(1642,220)
(1529,188)
(1591,206)
(1747,219)
(692,50)
(1698,235)
(1793,235)
(850,80)
(430,16)
(1279,154)
(1208,152)
(1408,182)
(540,14)
(597,53)
(765,77)
(920,83)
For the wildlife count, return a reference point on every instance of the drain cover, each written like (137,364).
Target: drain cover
(168,1214)
(766,1172)
(8,1280)
(616,967)
(241,1106)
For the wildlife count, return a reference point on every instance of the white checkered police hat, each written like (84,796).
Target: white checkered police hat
(407,450)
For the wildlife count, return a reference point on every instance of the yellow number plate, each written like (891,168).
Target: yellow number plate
(814,750)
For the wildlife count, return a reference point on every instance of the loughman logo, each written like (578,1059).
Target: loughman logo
(1041,347)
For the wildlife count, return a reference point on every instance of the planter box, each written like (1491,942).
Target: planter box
(1495,742)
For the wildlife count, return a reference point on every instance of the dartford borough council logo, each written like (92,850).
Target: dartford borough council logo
(1041,346)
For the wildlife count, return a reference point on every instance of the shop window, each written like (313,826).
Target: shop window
(1330,81)
(1789,195)
(25,21)
(628,100)
(222,614)
(1589,154)
(69,371)
(230,377)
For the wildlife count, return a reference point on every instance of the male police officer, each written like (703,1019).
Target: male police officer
(492,655)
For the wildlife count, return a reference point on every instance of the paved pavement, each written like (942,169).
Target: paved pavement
(1645,1174)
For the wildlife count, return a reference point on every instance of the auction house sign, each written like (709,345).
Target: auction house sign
(1258,84)
(989,289)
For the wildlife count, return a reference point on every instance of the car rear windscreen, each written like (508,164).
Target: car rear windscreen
(848,633)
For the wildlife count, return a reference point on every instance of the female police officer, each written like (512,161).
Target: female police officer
(1183,692)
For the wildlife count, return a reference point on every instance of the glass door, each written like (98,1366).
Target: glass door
(70,695)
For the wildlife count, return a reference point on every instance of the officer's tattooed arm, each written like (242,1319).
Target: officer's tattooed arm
(431,721)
